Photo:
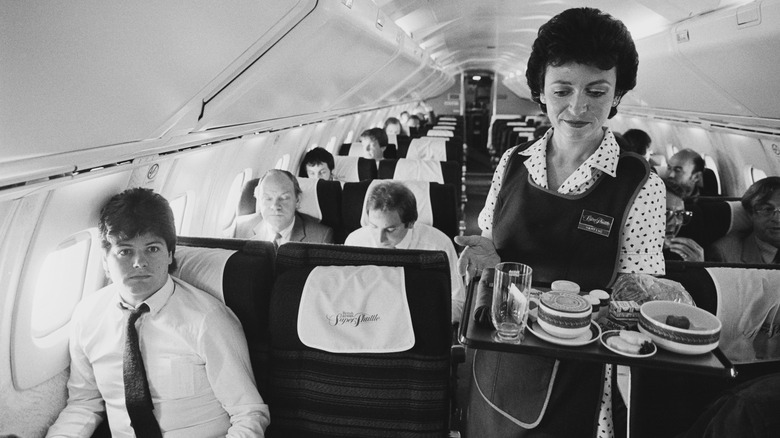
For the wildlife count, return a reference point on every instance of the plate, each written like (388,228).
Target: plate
(609,333)
(587,338)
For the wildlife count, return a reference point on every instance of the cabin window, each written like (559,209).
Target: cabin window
(753,174)
(61,285)
(331,147)
(350,134)
(229,208)
(283,162)
(710,163)
(179,207)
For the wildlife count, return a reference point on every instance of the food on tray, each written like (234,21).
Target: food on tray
(631,342)
(678,321)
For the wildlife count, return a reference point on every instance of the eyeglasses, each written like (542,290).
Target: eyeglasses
(684,215)
(767,211)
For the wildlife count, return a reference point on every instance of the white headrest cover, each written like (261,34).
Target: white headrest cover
(422,194)
(310,203)
(346,169)
(418,170)
(439,133)
(203,268)
(428,148)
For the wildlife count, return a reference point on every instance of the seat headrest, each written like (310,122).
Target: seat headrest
(203,268)
(406,169)
(354,169)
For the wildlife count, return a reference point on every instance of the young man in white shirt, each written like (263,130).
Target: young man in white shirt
(391,209)
(193,377)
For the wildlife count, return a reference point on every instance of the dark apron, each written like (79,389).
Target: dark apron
(571,237)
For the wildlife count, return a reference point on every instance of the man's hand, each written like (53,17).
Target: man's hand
(688,249)
(480,253)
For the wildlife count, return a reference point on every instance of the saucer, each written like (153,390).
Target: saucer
(609,333)
(587,338)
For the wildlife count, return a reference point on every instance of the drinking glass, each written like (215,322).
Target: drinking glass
(509,310)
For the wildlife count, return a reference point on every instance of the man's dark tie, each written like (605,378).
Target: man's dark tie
(137,397)
(277,239)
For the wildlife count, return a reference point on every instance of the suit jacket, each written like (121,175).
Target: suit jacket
(735,248)
(305,229)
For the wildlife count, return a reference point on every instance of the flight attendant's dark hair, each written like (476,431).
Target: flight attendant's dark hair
(135,212)
(585,36)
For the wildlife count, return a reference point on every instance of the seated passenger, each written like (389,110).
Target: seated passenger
(375,145)
(637,141)
(319,164)
(678,248)
(393,127)
(762,203)
(157,355)
(415,126)
(391,209)
(687,168)
(276,218)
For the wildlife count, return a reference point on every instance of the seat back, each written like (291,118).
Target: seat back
(320,199)
(438,210)
(353,169)
(241,274)
(710,185)
(713,217)
(324,394)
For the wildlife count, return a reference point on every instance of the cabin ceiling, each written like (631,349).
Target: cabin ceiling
(496,35)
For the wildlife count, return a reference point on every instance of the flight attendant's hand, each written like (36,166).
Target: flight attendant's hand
(480,253)
(688,249)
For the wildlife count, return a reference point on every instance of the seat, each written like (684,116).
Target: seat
(436,205)
(709,183)
(713,218)
(353,169)
(241,274)
(442,172)
(320,199)
(679,398)
(318,393)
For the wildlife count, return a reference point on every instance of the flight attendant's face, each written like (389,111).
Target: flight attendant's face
(766,220)
(139,265)
(578,98)
(387,228)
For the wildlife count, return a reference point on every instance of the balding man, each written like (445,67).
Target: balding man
(687,168)
(277,219)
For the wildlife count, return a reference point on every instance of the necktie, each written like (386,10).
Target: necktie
(277,239)
(137,397)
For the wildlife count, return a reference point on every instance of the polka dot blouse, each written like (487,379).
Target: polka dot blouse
(641,247)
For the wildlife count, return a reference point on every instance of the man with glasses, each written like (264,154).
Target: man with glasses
(678,248)
(762,202)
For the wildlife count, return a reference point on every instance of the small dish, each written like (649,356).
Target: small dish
(585,339)
(609,333)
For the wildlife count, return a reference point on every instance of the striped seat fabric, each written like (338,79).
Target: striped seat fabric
(315,393)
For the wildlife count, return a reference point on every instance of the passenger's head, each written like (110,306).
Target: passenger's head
(583,37)
(392,126)
(687,168)
(138,235)
(762,202)
(319,164)
(638,141)
(414,122)
(391,209)
(374,142)
(278,196)
(404,117)
(676,215)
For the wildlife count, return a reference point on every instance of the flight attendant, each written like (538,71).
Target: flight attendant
(602,216)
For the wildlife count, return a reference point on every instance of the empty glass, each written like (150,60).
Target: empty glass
(509,310)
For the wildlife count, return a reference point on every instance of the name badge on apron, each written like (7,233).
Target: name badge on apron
(597,223)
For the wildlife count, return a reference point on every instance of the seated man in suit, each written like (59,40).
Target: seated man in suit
(762,202)
(678,248)
(277,218)
(391,209)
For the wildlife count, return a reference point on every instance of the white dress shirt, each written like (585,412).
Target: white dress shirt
(196,359)
(422,236)
(264,232)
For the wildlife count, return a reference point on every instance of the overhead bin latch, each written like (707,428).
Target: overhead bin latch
(749,15)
